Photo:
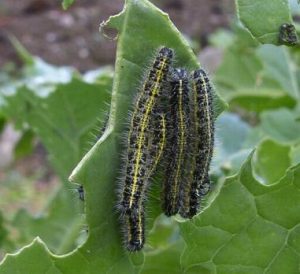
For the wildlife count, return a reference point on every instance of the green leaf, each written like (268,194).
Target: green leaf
(38,76)
(18,264)
(2,123)
(99,169)
(22,52)
(271,161)
(259,100)
(295,154)
(230,150)
(25,145)
(258,79)
(60,217)
(278,65)
(281,125)
(241,65)
(164,261)
(63,120)
(3,231)
(249,228)
(67,3)
(264,18)
(166,247)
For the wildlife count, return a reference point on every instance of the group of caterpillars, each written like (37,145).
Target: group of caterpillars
(172,125)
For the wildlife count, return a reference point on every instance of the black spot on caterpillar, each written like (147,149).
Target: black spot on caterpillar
(201,144)
(134,221)
(177,139)
(139,161)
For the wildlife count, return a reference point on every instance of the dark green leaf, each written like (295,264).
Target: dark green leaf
(25,144)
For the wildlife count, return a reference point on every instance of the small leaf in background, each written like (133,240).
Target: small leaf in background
(260,100)
(271,160)
(62,110)
(63,119)
(67,3)
(258,78)
(2,123)
(3,231)
(264,18)
(230,150)
(278,65)
(25,144)
(281,125)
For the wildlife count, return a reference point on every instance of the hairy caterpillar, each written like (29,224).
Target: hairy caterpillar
(177,140)
(144,149)
(134,222)
(201,145)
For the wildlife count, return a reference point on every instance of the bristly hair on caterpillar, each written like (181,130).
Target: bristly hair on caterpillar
(177,141)
(98,131)
(200,146)
(143,152)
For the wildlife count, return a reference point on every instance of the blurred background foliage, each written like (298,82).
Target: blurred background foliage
(45,132)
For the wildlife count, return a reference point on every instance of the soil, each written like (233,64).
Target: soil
(72,37)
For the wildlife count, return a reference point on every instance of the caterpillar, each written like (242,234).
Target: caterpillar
(143,153)
(288,34)
(201,145)
(134,222)
(177,140)
(138,163)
